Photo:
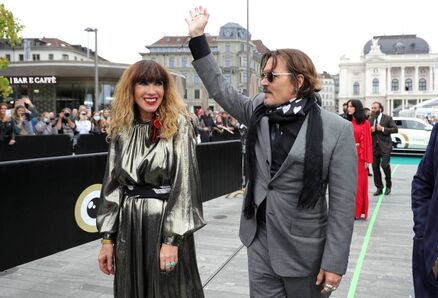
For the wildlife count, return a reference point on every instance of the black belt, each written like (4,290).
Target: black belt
(147,191)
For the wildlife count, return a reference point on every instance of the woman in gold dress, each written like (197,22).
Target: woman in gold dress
(150,202)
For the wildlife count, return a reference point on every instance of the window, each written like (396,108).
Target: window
(242,47)
(185,93)
(398,123)
(227,62)
(184,61)
(64,57)
(356,88)
(243,77)
(408,85)
(242,61)
(8,57)
(228,77)
(196,79)
(36,57)
(51,57)
(422,85)
(196,93)
(172,62)
(21,57)
(394,85)
(411,124)
(375,86)
(227,48)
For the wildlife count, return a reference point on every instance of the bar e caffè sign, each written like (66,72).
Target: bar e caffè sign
(32,80)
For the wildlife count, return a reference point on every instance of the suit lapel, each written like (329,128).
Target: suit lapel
(265,144)
(297,151)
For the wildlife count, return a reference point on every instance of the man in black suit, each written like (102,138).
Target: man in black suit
(382,126)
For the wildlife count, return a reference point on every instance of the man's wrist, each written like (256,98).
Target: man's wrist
(196,34)
(199,47)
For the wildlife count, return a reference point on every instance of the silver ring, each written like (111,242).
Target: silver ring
(328,287)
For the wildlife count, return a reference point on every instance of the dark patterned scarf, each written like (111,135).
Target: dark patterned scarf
(313,161)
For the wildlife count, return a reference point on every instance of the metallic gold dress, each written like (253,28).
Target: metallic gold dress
(140,225)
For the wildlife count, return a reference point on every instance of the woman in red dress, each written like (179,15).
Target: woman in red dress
(362,136)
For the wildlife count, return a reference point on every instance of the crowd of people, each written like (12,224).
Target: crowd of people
(21,118)
(214,125)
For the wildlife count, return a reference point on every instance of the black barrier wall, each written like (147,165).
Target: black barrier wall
(89,143)
(220,168)
(50,204)
(38,204)
(27,147)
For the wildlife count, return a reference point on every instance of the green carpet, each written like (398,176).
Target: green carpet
(405,160)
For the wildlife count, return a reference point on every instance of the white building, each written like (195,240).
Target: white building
(327,91)
(396,70)
(46,49)
(56,74)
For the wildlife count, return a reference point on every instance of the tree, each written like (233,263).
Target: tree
(9,33)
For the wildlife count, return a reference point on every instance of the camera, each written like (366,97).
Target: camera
(66,114)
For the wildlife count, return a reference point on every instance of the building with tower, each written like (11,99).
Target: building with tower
(397,70)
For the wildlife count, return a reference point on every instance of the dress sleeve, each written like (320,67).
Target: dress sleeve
(183,213)
(110,197)
(366,143)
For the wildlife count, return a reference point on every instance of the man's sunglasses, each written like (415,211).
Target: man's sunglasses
(270,76)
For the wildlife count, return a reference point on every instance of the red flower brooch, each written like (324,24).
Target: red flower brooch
(156,125)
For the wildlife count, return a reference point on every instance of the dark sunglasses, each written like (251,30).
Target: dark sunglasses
(270,76)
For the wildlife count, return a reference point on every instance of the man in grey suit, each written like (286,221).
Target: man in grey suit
(298,242)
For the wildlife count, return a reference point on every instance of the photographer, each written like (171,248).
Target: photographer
(64,124)
(44,126)
(83,125)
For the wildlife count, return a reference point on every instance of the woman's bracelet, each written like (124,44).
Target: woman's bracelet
(107,241)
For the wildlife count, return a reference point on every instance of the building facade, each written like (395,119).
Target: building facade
(327,91)
(56,74)
(396,70)
(230,51)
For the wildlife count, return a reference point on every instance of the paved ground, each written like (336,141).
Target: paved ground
(380,263)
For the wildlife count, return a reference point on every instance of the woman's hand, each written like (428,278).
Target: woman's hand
(198,21)
(106,258)
(168,257)
(12,142)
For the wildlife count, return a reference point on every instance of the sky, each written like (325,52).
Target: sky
(325,30)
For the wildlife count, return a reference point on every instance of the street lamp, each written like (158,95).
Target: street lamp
(96,70)
(248,63)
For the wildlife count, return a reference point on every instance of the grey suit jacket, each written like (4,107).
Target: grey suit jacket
(300,241)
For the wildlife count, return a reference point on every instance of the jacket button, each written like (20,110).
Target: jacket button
(270,187)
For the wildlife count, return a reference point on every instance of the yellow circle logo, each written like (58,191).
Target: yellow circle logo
(86,208)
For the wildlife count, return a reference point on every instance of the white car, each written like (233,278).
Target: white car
(413,134)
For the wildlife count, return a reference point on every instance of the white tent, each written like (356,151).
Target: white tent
(427,108)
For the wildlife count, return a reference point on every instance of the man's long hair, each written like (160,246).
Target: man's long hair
(297,62)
